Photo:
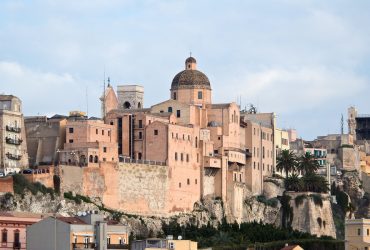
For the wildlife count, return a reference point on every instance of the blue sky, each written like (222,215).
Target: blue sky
(305,60)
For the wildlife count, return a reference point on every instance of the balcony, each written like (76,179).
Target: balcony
(17,245)
(212,162)
(13,157)
(78,246)
(13,129)
(117,246)
(13,141)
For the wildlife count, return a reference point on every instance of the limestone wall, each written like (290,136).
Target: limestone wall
(45,178)
(312,218)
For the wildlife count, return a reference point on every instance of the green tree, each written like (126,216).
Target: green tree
(286,162)
(307,164)
(314,183)
(293,183)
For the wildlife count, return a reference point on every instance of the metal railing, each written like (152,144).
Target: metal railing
(17,245)
(117,246)
(13,141)
(149,162)
(83,245)
(13,129)
(13,157)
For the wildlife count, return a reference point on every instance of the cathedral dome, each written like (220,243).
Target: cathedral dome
(190,77)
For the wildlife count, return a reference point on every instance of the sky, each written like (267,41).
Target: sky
(307,61)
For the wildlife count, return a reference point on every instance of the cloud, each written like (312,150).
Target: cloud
(294,90)
(43,92)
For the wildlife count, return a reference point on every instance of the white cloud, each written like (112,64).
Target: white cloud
(294,90)
(44,92)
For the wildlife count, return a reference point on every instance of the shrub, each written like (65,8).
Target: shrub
(317,199)
(56,182)
(299,199)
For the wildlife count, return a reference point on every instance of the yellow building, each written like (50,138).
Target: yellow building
(357,234)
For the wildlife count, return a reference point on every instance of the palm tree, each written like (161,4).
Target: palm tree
(314,183)
(293,183)
(307,164)
(286,162)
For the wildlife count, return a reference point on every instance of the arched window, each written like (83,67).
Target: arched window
(91,158)
(139,105)
(126,105)
(4,236)
(96,159)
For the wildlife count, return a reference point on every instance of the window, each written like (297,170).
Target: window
(179,184)
(196,142)
(96,159)
(219,138)
(187,157)
(182,157)
(140,135)
(4,236)
(174,96)
(140,123)
(97,131)
(178,113)
(91,158)
(155,131)
(254,151)
(263,152)
(108,133)
(111,123)
(234,176)
(200,95)
(188,137)
(254,131)
(102,132)
(183,136)
(254,165)
(140,155)
(175,156)
(258,166)
(172,135)
(104,149)
(263,166)
(169,109)
(196,181)
(358,231)
(188,181)
(70,141)
(104,159)
(367,231)
(71,130)
(197,158)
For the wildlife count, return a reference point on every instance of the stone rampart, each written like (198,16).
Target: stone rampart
(6,184)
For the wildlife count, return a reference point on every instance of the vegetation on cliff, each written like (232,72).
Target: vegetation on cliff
(235,236)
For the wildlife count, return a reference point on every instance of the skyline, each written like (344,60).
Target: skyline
(312,55)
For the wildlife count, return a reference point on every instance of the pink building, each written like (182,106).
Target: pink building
(13,229)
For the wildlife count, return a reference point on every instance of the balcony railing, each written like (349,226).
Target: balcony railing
(13,141)
(13,129)
(17,245)
(83,246)
(117,246)
(13,157)
(129,160)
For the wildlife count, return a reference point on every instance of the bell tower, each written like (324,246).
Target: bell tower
(130,96)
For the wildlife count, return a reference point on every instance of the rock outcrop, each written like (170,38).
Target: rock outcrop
(312,213)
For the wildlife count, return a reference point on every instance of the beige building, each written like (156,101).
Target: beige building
(170,244)
(13,147)
(206,147)
(88,142)
(357,234)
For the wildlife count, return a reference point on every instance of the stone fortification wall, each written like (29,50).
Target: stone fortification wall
(312,218)
(134,188)
(44,176)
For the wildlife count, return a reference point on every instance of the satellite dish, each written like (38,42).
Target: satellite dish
(84,213)
(79,213)
(179,237)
